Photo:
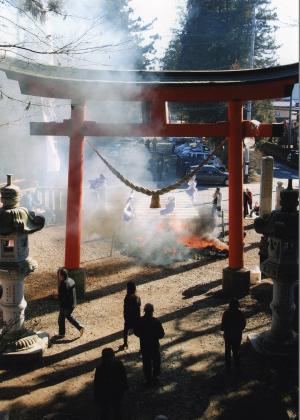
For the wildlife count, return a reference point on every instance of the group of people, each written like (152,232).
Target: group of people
(110,380)
(249,210)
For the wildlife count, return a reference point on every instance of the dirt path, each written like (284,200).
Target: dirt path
(188,300)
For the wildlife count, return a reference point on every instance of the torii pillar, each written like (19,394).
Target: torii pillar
(236,279)
(74,199)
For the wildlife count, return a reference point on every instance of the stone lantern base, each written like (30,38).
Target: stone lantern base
(264,343)
(23,346)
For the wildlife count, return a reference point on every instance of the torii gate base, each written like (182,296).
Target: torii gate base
(236,282)
(79,276)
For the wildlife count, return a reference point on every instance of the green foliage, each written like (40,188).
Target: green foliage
(263,111)
(216,34)
(130,31)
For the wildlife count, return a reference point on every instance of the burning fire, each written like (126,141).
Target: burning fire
(185,235)
(189,238)
(171,240)
(196,242)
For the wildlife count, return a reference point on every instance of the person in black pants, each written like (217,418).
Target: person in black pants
(110,384)
(245,203)
(150,330)
(67,302)
(132,311)
(233,324)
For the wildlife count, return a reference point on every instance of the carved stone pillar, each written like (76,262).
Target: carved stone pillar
(281,228)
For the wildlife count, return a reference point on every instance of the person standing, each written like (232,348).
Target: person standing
(249,194)
(132,311)
(279,188)
(192,188)
(245,203)
(217,200)
(233,324)
(67,302)
(150,330)
(160,167)
(110,384)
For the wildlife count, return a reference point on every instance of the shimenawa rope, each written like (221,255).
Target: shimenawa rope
(156,193)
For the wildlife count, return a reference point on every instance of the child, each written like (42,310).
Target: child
(132,311)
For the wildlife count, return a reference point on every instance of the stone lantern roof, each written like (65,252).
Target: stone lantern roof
(15,219)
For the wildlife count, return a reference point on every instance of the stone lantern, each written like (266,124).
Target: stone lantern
(281,229)
(16,223)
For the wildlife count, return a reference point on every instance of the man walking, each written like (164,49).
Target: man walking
(67,302)
(233,324)
(132,311)
(110,384)
(149,330)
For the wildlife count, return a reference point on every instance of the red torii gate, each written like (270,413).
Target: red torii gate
(154,90)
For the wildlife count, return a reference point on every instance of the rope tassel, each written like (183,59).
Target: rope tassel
(155,201)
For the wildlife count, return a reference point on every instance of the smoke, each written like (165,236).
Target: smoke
(156,240)
(103,207)
(144,234)
(150,237)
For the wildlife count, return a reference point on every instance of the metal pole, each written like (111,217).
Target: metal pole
(223,230)
(290,122)
(251,58)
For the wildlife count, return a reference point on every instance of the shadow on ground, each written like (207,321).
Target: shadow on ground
(192,386)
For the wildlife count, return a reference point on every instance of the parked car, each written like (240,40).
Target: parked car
(209,174)
(192,148)
(181,148)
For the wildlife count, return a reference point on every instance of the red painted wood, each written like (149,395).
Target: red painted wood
(210,92)
(235,166)
(75,182)
(90,128)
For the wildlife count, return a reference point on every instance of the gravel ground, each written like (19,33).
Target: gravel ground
(187,298)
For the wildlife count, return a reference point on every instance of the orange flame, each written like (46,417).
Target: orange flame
(196,242)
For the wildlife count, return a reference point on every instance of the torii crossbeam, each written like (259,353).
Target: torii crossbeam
(155,90)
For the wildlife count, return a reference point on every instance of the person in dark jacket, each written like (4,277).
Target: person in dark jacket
(110,384)
(150,330)
(249,194)
(245,203)
(67,302)
(233,324)
(132,310)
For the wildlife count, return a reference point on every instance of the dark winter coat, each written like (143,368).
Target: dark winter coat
(67,294)
(233,323)
(132,310)
(110,381)
(150,331)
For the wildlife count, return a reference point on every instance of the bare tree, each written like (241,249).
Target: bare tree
(22,26)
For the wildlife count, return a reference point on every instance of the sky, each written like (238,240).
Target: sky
(166,12)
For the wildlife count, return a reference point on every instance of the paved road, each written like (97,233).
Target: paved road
(184,208)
